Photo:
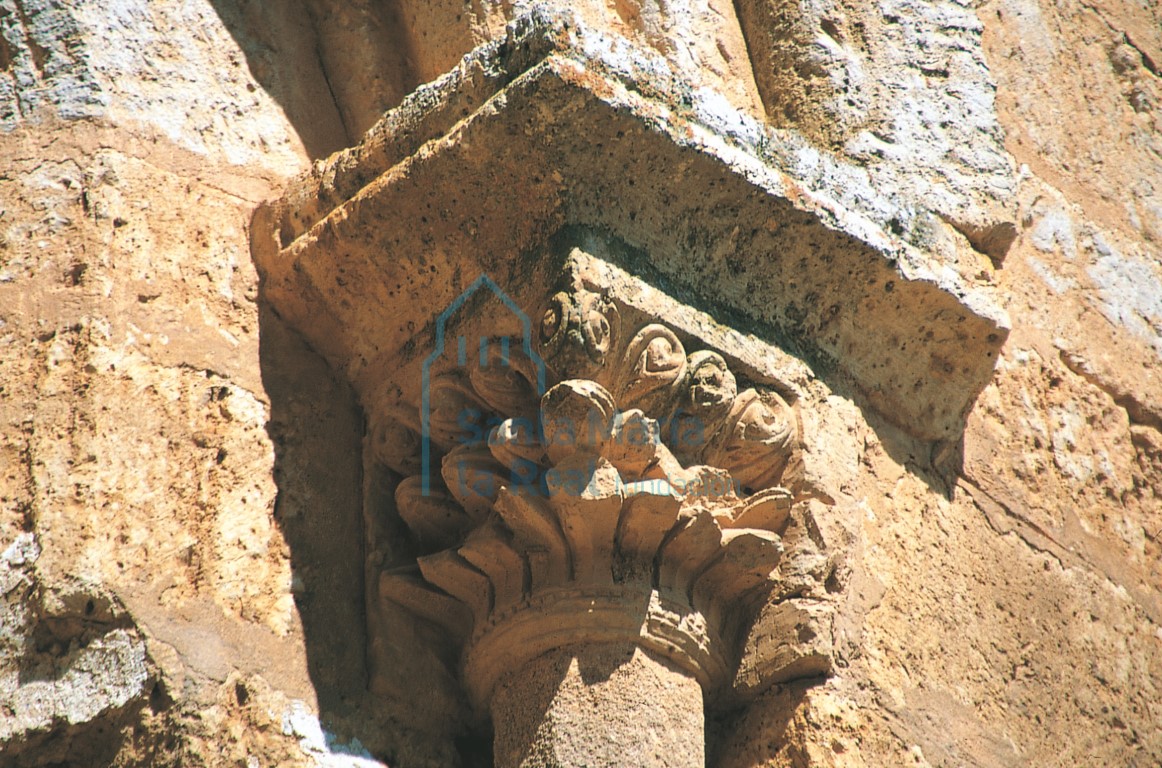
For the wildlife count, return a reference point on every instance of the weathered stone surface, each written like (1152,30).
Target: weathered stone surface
(813,274)
(903,90)
(608,706)
(71,666)
(43,64)
(997,610)
(800,633)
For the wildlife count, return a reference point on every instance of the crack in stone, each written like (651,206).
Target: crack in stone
(991,507)
(1080,556)
(1148,62)
(1138,412)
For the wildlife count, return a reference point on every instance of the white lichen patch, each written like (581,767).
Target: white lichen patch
(1129,290)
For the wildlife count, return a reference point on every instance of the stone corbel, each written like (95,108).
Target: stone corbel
(649,502)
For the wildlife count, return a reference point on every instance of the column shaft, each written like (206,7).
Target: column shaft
(598,706)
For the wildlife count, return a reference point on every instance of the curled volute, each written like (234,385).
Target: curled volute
(652,372)
(758,442)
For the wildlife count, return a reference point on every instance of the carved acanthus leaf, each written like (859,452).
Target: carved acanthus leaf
(456,410)
(642,474)
(506,385)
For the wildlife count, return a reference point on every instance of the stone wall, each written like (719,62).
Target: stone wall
(180,475)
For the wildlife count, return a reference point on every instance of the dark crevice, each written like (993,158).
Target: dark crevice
(1148,62)
(38,53)
(331,90)
(1138,412)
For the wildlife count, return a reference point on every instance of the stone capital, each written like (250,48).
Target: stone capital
(596,350)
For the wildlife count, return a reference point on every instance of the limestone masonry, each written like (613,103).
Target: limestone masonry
(529,384)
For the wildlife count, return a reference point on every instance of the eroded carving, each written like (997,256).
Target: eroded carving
(578,330)
(643,497)
(756,442)
(653,370)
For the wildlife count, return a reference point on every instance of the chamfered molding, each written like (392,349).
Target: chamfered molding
(559,126)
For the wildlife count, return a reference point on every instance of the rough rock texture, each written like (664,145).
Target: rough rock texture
(903,89)
(173,457)
(72,668)
(604,707)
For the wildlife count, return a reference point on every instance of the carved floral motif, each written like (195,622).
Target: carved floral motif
(642,481)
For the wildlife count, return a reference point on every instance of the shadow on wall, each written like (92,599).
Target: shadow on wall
(317,430)
(334,66)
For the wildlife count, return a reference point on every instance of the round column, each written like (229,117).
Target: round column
(605,705)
